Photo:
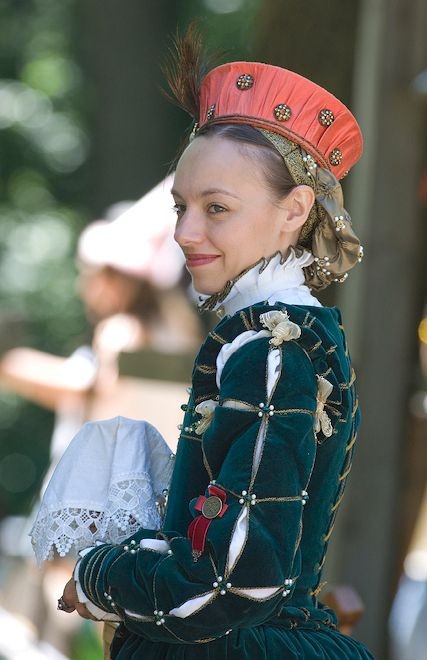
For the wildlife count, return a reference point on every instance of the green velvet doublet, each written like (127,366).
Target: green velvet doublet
(282,481)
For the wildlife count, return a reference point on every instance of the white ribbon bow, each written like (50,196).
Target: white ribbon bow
(281,328)
(206,409)
(322,421)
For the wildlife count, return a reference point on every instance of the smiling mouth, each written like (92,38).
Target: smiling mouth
(193,260)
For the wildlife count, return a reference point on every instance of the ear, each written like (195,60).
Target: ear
(296,206)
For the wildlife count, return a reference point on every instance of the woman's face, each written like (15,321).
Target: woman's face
(227,216)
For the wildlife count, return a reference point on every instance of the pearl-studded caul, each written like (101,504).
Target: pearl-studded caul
(310,164)
(339,222)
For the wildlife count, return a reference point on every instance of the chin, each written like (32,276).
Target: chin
(207,289)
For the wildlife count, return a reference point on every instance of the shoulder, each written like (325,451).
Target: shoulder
(319,346)
(317,331)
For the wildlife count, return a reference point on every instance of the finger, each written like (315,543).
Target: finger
(70,593)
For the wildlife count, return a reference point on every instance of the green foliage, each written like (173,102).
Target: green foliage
(86,643)
(228,26)
(43,149)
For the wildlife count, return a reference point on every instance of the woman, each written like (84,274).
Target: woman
(271,421)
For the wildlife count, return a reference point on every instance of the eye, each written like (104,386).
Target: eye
(216,208)
(179,210)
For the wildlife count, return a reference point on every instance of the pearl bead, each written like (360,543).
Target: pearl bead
(126,548)
(215,584)
(244,492)
(222,592)
(228,585)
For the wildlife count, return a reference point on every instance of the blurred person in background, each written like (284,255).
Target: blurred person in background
(130,280)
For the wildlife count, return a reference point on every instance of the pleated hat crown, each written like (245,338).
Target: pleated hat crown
(279,100)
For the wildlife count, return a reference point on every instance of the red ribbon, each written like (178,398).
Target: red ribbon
(198,528)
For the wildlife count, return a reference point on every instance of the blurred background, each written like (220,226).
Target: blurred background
(84,125)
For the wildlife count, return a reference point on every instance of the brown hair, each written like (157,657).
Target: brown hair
(277,175)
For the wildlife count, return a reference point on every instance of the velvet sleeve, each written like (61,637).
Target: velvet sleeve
(259,450)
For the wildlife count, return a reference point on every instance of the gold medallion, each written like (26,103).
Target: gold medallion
(212,507)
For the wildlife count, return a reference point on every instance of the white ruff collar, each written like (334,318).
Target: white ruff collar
(272,280)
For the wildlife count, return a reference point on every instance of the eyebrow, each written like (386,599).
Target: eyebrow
(210,191)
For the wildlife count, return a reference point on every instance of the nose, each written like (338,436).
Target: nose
(189,229)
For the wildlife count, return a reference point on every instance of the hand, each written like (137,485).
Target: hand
(71,602)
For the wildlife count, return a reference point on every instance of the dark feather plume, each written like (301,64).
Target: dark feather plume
(185,67)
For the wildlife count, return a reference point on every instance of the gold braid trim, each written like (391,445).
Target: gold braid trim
(327,232)
(292,155)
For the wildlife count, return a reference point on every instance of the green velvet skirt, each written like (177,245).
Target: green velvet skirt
(265,642)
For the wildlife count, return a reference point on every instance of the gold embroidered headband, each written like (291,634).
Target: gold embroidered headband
(328,232)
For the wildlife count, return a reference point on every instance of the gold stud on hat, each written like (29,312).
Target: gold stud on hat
(282,112)
(335,157)
(245,81)
(326,117)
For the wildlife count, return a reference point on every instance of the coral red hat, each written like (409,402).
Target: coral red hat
(278,100)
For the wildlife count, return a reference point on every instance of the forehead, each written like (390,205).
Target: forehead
(216,162)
